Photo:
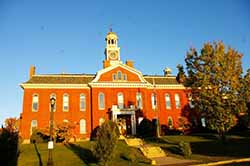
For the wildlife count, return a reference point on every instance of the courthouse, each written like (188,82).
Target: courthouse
(118,92)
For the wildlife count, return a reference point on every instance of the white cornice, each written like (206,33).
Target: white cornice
(54,86)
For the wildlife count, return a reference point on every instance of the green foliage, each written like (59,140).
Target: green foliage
(214,77)
(145,128)
(185,149)
(106,140)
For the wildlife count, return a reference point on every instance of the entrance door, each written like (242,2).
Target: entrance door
(126,122)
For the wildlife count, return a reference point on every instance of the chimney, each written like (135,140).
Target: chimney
(32,70)
(130,63)
(167,72)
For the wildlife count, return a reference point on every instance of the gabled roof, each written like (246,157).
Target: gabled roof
(61,79)
(161,80)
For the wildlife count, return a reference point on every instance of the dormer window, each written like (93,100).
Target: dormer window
(119,76)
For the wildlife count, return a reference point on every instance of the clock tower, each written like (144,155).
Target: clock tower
(112,51)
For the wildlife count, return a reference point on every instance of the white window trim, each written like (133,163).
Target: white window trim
(167,96)
(33,110)
(101,108)
(83,129)
(82,109)
(65,110)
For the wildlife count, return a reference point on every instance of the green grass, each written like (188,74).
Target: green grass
(206,147)
(78,154)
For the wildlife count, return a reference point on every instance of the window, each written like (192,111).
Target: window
(120,100)
(82,102)
(114,77)
(124,77)
(177,101)
(65,102)
(101,101)
(153,100)
(170,122)
(168,102)
(33,126)
(65,121)
(52,96)
(101,121)
(139,100)
(119,75)
(82,126)
(35,103)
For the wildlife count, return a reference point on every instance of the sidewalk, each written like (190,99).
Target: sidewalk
(172,161)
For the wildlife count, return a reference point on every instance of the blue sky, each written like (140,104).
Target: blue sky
(68,36)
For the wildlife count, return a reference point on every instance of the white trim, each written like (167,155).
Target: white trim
(54,86)
(100,72)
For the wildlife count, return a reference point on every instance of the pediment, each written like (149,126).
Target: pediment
(119,73)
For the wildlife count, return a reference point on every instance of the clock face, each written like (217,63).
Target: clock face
(113,55)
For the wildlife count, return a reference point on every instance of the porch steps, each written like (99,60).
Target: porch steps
(147,150)
(134,142)
(152,151)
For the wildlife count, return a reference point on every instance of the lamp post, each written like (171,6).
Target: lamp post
(50,143)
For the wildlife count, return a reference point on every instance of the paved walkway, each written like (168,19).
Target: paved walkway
(172,161)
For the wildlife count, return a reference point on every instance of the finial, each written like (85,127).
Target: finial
(110,28)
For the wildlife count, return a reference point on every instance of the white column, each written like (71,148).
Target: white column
(133,124)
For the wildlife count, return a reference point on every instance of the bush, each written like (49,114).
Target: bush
(185,149)
(145,128)
(106,139)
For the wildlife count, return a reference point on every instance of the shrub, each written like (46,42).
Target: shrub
(185,149)
(107,137)
(145,128)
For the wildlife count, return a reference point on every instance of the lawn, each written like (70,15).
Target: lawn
(206,147)
(78,154)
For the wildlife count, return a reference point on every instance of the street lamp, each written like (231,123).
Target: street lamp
(50,143)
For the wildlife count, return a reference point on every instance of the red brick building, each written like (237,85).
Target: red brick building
(118,91)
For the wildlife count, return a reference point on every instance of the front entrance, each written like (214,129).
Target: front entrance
(124,123)
(125,119)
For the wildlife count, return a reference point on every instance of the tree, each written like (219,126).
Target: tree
(214,77)
(107,137)
(245,90)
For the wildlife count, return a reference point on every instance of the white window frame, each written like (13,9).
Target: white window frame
(177,101)
(33,126)
(83,126)
(167,101)
(65,102)
(120,100)
(101,104)
(33,102)
(154,100)
(82,102)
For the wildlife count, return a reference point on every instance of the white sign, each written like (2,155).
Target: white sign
(50,145)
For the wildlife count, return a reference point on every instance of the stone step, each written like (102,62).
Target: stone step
(135,142)
(152,151)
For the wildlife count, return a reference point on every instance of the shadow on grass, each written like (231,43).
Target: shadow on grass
(234,147)
(38,155)
(84,154)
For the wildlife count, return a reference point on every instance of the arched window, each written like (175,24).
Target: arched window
(33,126)
(167,100)
(124,77)
(65,102)
(82,126)
(119,75)
(101,101)
(177,101)
(120,100)
(139,100)
(114,77)
(65,121)
(82,102)
(170,122)
(153,101)
(35,100)
(52,96)
(101,121)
